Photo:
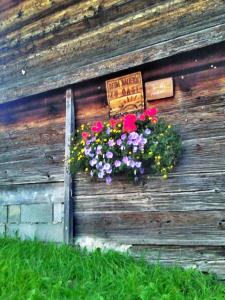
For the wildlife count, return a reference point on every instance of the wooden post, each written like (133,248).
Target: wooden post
(68,180)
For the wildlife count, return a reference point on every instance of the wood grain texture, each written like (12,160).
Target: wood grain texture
(185,213)
(206,259)
(32,139)
(70,42)
(155,228)
(68,180)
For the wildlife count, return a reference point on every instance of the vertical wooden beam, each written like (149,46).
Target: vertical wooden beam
(68,180)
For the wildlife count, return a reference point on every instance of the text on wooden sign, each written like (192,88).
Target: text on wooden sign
(125,93)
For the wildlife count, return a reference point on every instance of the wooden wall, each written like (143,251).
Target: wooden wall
(49,44)
(32,146)
(183,217)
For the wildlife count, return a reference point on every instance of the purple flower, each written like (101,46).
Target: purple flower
(126,160)
(138,164)
(93,162)
(147,131)
(122,147)
(92,173)
(93,139)
(144,141)
(135,149)
(108,131)
(119,142)
(87,151)
(99,165)
(98,150)
(133,136)
(142,170)
(107,166)
(108,180)
(117,163)
(132,164)
(109,154)
(101,174)
(123,136)
(111,143)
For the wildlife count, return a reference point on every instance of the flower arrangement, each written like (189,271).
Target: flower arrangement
(133,144)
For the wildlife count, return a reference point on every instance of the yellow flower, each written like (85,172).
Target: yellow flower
(165,176)
(150,153)
(82,150)
(119,125)
(98,141)
(86,169)
(169,126)
(130,152)
(105,140)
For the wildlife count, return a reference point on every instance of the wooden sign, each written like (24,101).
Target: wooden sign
(159,89)
(125,93)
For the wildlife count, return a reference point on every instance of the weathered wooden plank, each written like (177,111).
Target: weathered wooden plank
(36,110)
(204,228)
(153,184)
(68,181)
(46,162)
(32,193)
(195,30)
(51,154)
(178,193)
(206,259)
(151,201)
(31,135)
(23,173)
(20,13)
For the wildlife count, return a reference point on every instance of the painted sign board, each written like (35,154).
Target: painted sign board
(125,93)
(159,89)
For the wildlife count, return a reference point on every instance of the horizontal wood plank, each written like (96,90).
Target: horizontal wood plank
(206,259)
(156,228)
(105,37)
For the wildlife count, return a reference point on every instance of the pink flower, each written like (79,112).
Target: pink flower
(142,117)
(113,122)
(129,123)
(151,112)
(85,135)
(97,127)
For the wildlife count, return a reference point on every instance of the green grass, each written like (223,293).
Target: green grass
(34,270)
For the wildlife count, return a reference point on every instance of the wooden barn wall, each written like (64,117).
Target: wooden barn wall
(49,44)
(32,143)
(182,218)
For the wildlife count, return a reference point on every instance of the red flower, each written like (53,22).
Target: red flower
(129,123)
(97,127)
(85,135)
(113,122)
(151,112)
(142,117)
(154,120)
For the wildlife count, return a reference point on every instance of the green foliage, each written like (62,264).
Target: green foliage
(38,271)
(137,144)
